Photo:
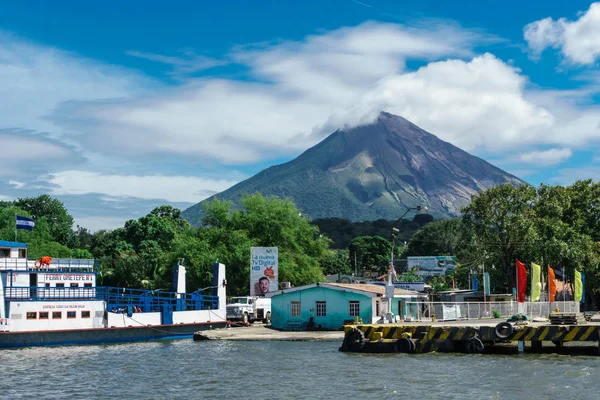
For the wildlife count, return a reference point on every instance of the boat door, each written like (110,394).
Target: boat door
(33,282)
(166,315)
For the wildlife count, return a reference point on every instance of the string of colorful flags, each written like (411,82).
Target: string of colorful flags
(536,283)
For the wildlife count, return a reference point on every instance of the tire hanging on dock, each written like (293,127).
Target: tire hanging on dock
(405,345)
(354,340)
(504,330)
(474,346)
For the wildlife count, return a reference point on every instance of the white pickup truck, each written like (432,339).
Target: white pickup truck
(249,309)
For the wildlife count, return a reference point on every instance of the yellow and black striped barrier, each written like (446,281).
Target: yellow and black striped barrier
(468,338)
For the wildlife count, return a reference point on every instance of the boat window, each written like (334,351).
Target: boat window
(47,284)
(87,284)
(238,300)
(71,314)
(60,285)
(43,314)
(22,253)
(85,314)
(74,284)
(31,315)
(4,252)
(56,314)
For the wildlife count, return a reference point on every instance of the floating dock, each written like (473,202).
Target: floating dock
(468,337)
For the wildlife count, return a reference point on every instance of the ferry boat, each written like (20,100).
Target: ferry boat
(57,302)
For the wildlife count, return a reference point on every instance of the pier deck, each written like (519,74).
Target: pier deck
(465,336)
(262,332)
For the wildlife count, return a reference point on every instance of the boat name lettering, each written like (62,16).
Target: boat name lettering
(70,306)
(69,277)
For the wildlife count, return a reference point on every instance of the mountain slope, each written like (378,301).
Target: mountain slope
(374,171)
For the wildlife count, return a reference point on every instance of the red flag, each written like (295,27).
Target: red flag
(521,281)
(551,284)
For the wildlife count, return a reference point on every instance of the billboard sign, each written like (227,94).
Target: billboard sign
(434,265)
(264,263)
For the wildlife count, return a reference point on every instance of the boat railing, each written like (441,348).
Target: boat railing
(56,265)
(117,299)
(121,299)
(35,293)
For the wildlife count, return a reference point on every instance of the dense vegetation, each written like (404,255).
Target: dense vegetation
(549,225)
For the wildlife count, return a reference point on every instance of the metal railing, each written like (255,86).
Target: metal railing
(448,311)
(117,299)
(57,264)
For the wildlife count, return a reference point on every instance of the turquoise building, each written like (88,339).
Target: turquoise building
(330,305)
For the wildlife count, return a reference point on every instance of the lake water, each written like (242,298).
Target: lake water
(277,370)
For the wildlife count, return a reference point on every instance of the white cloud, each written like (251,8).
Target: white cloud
(569,175)
(34,79)
(579,41)
(4,198)
(16,184)
(29,148)
(187,62)
(299,85)
(547,157)
(476,104)
(96,223)
(169,188)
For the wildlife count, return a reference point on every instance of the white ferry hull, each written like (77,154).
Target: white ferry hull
(104,335)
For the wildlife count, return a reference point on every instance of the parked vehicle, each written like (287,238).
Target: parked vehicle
(249,309)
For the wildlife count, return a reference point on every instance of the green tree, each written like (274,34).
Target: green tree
(336,262)
(60,222)
(502,219)
(372,253)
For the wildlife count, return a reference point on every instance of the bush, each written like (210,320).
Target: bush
(496,313)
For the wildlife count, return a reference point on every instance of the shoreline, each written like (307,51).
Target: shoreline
(260,332)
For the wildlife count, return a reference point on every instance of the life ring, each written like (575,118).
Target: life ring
(503,330)
(354,340)
(475,345)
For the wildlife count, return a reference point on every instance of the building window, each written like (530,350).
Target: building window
(321,309)
(60,285)
(295,308)
(43,314)
(354,308)
(71,314)
(31,315)
(85,314)
(74,284)
(56,314)
(87,284)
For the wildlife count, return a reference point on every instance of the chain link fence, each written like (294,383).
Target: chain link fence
(449,311)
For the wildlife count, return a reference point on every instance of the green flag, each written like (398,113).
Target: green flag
(578,286)
(536,285)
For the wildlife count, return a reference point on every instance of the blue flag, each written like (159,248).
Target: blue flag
(24,223)
(475,283)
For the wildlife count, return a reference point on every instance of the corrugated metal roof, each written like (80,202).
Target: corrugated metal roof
(365,287)
(5,243)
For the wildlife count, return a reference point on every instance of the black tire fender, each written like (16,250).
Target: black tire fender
(354,340)
(504,330)
(404,345)
(475,345)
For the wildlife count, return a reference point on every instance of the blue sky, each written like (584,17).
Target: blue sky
(118,107)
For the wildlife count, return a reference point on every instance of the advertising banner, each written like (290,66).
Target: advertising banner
(434,265)
(264,277)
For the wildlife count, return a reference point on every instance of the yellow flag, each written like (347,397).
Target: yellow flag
(536,285)
(578,286)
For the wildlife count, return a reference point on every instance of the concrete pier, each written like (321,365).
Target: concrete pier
(469,337)
(263,332)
